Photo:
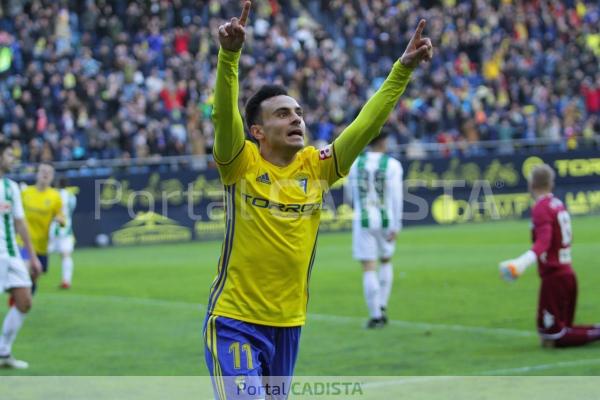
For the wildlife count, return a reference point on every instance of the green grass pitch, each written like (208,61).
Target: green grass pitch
(138,310)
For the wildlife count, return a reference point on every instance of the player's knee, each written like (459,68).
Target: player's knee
(24,304)
(369,266)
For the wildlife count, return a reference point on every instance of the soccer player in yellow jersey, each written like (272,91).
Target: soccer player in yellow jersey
(273,198)
(42,204)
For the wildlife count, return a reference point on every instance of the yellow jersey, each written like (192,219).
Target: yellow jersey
(273,213)
(40,210)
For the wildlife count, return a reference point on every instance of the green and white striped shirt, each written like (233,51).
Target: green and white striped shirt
(69,202)
(376,183)
(11,208)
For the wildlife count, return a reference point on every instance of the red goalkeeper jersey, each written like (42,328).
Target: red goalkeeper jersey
(551,235)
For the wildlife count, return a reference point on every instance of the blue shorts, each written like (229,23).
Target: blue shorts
(43,259)
(239,354)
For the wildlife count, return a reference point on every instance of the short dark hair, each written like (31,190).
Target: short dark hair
(253,104)
(382,135)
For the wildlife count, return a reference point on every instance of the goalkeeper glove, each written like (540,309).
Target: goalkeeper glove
(512,269)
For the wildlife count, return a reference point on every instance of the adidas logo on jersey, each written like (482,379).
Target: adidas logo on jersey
(264,178)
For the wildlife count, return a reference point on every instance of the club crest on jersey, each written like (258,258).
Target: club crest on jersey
(264,178)
(303,182)
(326,152)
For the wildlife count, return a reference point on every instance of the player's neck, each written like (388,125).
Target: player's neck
(278,158)
(537,195)
(41,187)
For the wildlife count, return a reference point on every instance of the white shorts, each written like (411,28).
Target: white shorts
(61,244)
(371,244)
(13,273)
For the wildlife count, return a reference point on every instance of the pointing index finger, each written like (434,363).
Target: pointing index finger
(245,12)
(417,36)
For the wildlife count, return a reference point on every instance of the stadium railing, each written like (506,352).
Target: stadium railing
(410,151)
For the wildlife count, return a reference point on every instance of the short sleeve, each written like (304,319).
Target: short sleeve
(326,161)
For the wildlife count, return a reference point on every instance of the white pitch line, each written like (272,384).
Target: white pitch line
(318,317)
(425,325)
(487,374)
(542,367)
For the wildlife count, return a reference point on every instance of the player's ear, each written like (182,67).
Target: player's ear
(257,132)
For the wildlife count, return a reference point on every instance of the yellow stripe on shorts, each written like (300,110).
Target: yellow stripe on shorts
(217,373)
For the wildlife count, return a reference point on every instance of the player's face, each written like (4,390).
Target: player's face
(45,175)
(7,160)
(283,123)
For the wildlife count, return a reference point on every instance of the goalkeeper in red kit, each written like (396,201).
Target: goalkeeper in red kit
(551,235)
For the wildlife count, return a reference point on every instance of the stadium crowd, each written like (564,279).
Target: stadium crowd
(113,79)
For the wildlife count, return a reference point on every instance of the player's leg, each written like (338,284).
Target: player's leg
(234,353)
(13,321)
(549,324)
(281,366)
(556,311)
(25,257)
(576,335)
(386,271)
(19,284)
(386,279)
(372,293)
(364,249)
(43,260)
(66,251)
(572,307)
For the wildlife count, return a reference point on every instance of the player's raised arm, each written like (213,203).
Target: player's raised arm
(229,127)
(376,111)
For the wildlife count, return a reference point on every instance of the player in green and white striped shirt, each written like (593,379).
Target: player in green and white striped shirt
(62,239)
(376,182)
(14,276)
